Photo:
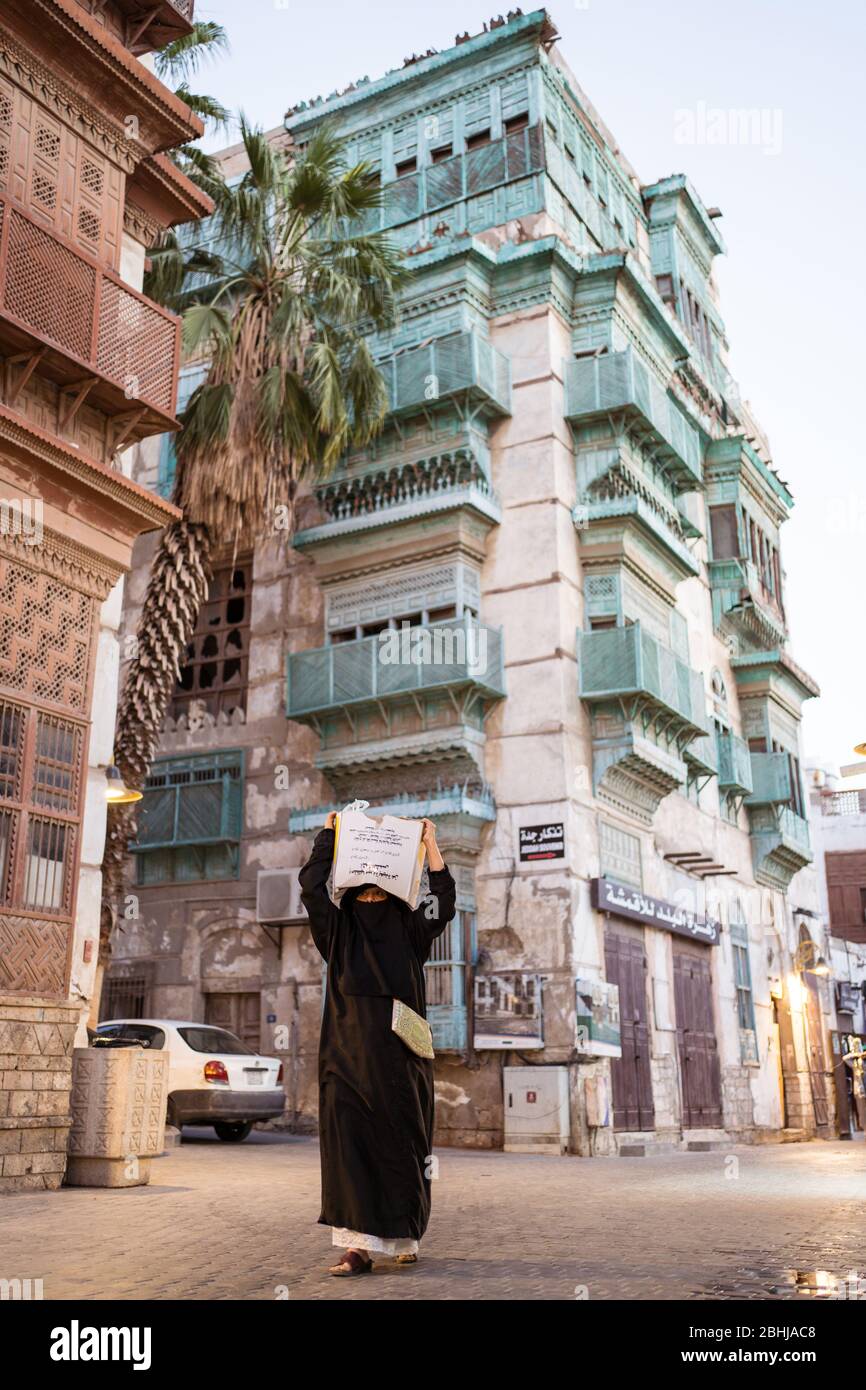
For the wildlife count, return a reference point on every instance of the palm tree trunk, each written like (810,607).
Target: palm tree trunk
(179,579)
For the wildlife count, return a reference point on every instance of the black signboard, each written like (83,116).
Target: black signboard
(622,901)
(542,842)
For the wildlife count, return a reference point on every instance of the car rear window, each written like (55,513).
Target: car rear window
(145,1034)
(129,1035)
(214,1040)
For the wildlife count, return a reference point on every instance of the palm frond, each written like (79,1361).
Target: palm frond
(215,116)
(181,59)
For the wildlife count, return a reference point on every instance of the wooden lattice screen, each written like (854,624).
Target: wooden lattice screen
(46,639)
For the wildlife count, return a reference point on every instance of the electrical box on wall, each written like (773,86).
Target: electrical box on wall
(278,897)
(536,1110)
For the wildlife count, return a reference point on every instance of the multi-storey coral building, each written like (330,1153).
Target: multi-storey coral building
(89,366)
(570,486)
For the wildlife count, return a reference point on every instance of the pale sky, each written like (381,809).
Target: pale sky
(792,289)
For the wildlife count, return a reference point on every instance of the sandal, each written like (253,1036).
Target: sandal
(351,1264)
(407,1259)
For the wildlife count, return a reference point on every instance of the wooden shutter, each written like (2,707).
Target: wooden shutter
(723,530)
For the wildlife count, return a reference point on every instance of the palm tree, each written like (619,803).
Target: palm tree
(291,385)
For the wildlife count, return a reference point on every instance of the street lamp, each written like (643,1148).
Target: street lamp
(808,959)
(116,790)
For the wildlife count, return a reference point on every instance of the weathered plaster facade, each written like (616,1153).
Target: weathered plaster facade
(569,470)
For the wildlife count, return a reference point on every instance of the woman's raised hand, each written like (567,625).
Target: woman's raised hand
(428,840)
(330,820)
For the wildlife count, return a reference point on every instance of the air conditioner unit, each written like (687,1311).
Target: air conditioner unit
(536,1110)
(278,896)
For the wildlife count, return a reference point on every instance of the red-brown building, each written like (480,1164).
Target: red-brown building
(88,366)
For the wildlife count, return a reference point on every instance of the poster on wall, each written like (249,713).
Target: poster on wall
(597,1019)
(537,842)
(508,1012)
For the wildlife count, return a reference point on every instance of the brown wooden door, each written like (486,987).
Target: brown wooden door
(239,1013)
(631,1078)
(815,1049)
(696,1040)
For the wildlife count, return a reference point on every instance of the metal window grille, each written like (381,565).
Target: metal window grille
(124,997)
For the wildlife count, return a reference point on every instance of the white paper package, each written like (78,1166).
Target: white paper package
(385,850)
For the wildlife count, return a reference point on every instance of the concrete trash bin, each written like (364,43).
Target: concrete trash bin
(118,1115)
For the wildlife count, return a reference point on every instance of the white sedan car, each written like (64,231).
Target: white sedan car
(213,1078)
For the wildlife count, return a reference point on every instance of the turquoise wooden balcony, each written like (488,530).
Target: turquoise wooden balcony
(649,725)
(397,664)
(472,802)
(628,665)
(742,599)
(436,187)
(619,383)
(735,765)
(780,837)
(701,754)
(771,779)
(464,366)
(462,811)
(780,844)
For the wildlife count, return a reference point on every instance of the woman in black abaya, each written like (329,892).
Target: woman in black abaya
(375,1094)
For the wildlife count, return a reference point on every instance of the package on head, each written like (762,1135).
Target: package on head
(384,850)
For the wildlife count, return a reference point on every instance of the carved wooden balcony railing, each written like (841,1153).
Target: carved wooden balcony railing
(780,843)
(735,764)
(618,384)
(367,494)
(780,836)
(628,666)
(369,670)
(771,779)
(67,317)
(702,754)
(435,187)
(741,596)
(463,365)
(456,799)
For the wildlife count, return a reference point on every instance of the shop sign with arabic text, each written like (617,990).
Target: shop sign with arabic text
(622,901)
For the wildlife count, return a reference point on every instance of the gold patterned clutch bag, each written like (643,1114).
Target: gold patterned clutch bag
(412,1029)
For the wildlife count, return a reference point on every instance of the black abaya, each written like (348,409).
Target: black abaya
(375,1095)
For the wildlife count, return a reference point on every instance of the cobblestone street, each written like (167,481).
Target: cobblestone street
(226,1222)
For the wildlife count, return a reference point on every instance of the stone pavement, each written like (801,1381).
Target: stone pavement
(222,1221)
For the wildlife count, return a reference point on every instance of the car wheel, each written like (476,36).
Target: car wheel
(235,1133)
